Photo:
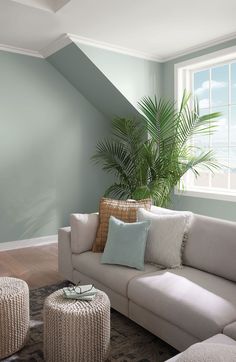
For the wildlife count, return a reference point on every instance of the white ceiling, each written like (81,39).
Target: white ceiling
(155,28)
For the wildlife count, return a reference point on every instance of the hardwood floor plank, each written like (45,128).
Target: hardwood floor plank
(36,265)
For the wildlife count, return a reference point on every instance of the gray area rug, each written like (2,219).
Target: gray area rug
(129,342)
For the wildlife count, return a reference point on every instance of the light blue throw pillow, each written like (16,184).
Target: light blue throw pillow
(126,243)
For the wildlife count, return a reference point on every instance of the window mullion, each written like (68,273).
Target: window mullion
(210,110)
(229,123)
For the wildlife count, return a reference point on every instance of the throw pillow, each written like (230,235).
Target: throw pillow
(165,238)
(126,243)
(164,211)
(123,210)
(83,231)
(209,352)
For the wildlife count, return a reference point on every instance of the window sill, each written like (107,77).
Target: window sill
(207,194)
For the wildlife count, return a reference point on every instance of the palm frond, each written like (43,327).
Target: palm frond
(149,156)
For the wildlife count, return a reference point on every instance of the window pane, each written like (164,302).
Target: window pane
(201,87)
(219,139)
(233,127)
(233,83)
(202,141)
(232,159)
(202,180)
(232,165)
(220,177)
(219,86)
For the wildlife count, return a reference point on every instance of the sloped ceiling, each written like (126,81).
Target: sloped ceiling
(87,78)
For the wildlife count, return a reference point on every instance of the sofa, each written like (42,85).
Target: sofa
(181,306)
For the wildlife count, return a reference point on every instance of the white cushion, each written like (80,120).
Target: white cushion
(230,330)
(165,238)
(163,211)
(211,246)
(83,231)
(209,352)
(116,277)
(198,302)
(218,338)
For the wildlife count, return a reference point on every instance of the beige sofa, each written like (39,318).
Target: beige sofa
(181,306)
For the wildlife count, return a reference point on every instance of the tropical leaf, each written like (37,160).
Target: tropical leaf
(148,156)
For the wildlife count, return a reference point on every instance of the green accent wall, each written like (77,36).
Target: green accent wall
(48,131)
(133,77)
(210,207)
(89,80)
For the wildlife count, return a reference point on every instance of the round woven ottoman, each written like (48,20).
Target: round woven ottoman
(14,315)
(76,331)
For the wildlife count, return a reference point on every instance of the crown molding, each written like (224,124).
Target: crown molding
(66,39)
(113,48)
(56,45)
(197,48)
(11,49)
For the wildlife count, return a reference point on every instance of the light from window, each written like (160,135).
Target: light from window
(215,88)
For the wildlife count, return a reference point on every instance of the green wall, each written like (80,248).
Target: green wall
(48,132)
(214,208)
(134,77)
(89,80)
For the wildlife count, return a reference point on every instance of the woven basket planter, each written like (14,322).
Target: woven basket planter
(76,331)
(14,315)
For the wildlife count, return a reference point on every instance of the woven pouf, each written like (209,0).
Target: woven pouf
(14,315)
(76,331)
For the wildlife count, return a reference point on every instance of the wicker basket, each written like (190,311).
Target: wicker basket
(76,331)
(14,315)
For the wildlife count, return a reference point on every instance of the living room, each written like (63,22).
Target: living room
(117,180)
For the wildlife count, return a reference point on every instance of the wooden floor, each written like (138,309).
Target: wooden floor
(36,265)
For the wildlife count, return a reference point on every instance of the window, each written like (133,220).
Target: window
(213,81)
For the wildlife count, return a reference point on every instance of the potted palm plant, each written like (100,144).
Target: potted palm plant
(149,156)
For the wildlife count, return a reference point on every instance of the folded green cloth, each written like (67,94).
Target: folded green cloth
(81,297)
(82,292)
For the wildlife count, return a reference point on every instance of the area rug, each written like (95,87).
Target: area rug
(129,342)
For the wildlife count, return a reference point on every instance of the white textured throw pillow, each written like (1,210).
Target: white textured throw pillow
(83,231)
(165,237)
(209,352)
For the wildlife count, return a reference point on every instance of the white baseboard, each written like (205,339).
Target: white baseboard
(19,244)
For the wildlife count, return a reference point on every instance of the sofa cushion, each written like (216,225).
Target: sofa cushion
(211,246)
(205,352)
(125,210)
(115,277)
(165,238)
(83,231)
(230,330)
(198,302)
(218,338)
(126,243)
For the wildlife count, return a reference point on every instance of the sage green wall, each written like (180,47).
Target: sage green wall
(134,77)
(89,80)
(214,208)
(48,132)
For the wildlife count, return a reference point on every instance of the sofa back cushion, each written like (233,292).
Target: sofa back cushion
(83,231)
(124,210)
(211,246)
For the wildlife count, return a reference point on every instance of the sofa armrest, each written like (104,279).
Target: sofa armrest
(64,253)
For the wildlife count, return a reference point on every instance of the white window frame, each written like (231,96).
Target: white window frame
(182,80)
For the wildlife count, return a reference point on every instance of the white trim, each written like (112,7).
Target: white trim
(56,45)
(207,194)
(225,55)
(218,56)
(11,49)
(114,48)
(66,39)
(197,48)
(19,244)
